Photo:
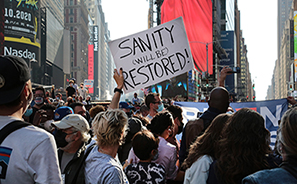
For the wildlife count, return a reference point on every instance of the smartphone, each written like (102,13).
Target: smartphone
(235,70)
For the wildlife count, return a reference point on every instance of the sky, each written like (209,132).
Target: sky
(258,25)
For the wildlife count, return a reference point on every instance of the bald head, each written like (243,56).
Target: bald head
(219,99)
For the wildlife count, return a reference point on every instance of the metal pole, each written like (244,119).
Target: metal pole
(207,60)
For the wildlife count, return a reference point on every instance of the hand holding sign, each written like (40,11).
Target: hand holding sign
(152,56)
(118,77)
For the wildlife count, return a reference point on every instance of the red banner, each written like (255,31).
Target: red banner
(91,65)
(197,16)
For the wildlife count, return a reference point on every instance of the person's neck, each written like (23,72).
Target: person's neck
(147,161)
(38,106)
(164,135)
(152,112)
(109,150)
(72,147)
(16,112)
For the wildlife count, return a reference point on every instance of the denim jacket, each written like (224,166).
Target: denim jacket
(277,175)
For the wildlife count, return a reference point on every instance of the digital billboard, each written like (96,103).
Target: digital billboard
(176,86)
(91,65)
(228,45)
(197,16)
(21,29)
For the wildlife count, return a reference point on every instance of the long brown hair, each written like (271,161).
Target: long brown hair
(206,143)
(244,144)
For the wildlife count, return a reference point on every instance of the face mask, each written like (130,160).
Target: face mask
(71,85)
(38,100)
(60,139)
(160,107)
(28,112)
(156,156)
(180,128)
(57,98)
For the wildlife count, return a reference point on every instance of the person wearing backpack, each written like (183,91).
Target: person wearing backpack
(75,132)
(27,153)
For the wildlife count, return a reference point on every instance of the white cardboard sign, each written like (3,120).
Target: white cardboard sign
(153,55)
(88,83)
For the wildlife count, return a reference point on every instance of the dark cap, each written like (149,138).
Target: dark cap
(125,105)
(14,73)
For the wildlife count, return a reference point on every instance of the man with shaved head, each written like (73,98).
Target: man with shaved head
(218,103)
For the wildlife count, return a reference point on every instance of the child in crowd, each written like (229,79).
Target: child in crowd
(145,146)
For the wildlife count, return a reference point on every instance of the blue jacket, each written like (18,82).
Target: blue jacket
(277,175)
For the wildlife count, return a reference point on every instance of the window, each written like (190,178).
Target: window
(71,11)
(71,19)
(71,2)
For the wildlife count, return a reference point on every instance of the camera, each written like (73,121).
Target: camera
(234,70)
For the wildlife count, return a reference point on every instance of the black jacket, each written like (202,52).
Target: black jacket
(74,166)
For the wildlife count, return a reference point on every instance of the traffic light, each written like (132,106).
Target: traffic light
(254,98)
(247,97)
(207,83)
(291,87)
(253,86)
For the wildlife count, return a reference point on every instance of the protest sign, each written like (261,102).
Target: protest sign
(152,56)
(88,83)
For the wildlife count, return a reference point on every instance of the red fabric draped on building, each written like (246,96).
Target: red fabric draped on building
(197,16)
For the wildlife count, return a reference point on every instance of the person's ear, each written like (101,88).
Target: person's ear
(78,136)
(154,152)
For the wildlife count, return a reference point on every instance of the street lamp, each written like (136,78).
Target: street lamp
(206,45)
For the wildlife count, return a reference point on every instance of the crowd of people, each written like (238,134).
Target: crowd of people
(47,140)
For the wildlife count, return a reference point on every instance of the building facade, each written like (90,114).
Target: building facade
(76,20)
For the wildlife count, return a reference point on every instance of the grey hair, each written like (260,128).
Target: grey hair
(85,136)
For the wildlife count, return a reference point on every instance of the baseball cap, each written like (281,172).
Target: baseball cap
(14,73)
(73,120)
(125,105)
(61,112)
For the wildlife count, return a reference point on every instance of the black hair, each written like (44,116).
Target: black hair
(143,143)
(161,122)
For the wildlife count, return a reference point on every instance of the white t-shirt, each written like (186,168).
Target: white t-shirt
(30,154)
(199,170)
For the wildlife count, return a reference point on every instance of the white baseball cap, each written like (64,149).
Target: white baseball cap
(73,120)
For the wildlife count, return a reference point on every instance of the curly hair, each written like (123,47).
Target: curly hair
(95,110)
(161,122)
(206,143)
(288,128)
(109,127)
(243,146)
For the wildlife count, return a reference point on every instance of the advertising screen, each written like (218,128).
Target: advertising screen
(21,28)
(176,86)
(197,16)
(91,65)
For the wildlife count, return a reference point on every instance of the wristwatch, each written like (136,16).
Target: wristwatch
(118,90)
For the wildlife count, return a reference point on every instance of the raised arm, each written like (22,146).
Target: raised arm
(223,75)
(119,78)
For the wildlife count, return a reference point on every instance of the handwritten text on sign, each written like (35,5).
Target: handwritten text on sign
(152,56)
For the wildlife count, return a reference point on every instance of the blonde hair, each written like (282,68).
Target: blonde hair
(109,127)
(288,129)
